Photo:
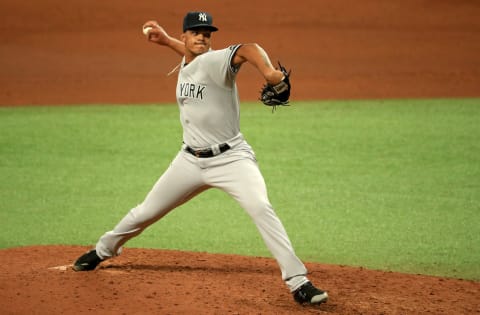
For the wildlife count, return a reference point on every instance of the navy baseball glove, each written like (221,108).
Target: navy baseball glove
(277,95)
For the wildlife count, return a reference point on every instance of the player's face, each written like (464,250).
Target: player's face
(197,41)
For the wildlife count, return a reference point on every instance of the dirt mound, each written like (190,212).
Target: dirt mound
(38,280)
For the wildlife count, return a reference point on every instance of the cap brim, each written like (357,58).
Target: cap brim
(205,26)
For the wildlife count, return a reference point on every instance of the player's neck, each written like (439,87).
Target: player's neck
(189,58)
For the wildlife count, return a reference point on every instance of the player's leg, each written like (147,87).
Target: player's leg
(180,182)
(244,182)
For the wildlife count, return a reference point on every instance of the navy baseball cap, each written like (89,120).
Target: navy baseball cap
(198,19)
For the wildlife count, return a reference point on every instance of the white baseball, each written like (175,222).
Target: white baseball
(146,30)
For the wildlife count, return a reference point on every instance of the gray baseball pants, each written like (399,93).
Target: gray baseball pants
(236,172)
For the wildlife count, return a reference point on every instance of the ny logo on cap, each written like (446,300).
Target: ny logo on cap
(202,17)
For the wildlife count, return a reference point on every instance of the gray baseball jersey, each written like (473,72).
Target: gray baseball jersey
(209,113)
(208,99)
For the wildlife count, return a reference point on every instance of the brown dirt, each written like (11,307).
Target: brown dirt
(146,281)
(88,51)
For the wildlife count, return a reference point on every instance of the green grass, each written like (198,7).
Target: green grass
(392,185)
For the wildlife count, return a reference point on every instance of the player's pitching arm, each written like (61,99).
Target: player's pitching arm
(156,34)
(256,55)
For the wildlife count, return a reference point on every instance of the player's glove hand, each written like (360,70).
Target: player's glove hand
(277,95)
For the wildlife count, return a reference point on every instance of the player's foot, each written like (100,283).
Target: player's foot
(88,261)
(307,293)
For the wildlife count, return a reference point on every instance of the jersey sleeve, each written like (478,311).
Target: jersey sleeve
(233,50)
(218,63)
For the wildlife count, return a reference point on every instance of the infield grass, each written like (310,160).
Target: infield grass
(392,184)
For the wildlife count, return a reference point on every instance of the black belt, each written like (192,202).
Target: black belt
(207,153)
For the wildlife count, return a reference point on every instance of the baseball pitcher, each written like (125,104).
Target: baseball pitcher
(214,153)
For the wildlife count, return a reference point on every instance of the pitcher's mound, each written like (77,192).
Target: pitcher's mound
(39,280)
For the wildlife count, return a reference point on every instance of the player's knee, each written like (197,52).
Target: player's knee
(140,217)
(258,208)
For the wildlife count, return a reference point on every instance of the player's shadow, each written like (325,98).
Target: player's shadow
(186,268)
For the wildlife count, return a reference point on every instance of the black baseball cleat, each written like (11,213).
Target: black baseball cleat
(88,261)
(307,293)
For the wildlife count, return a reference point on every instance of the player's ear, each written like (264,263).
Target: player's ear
(183,37)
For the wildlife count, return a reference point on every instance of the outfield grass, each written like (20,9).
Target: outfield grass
(391,185)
